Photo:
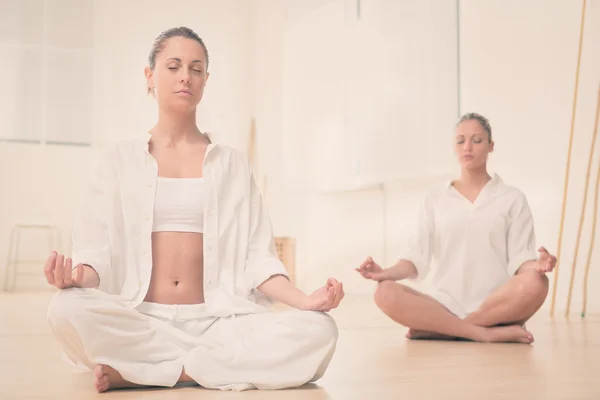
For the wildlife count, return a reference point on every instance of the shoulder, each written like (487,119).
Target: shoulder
(231,152)
(512,193)
(231,157)
(519,202)
(436,193)
(515,198)
(433,196)
(127,152)
(430,199)
(516,194)
(112,158)
(104,155)
(118,149)
(128,148)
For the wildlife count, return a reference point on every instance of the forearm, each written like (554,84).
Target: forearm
(401,270)
(528,266)
(91,279)
(280,289)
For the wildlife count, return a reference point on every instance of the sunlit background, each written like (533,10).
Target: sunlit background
(353,104)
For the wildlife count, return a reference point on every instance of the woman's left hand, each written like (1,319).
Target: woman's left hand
(326,297)
(546,261)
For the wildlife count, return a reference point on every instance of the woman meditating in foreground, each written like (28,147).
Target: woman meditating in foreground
(174,263)
(478,234)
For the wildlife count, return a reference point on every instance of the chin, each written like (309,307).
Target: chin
(472,166)
(183,107)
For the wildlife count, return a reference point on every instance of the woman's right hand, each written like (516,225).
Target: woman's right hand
(60,273)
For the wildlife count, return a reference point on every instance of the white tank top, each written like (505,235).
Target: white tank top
(179,205)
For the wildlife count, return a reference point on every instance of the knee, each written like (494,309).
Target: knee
(330,327)
(65,305)
(322,326)
(327,326)
(385,293)
(534,284)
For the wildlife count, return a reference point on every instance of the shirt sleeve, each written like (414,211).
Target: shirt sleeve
(262,261)
(90,239)
(420,246)
(521,236)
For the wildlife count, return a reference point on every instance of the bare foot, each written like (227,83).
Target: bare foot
(508,334)
(415,334)
(106,378)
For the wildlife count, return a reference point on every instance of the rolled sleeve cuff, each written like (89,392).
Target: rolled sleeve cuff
(420,264)
(94,261)
(259,271)
(519,259)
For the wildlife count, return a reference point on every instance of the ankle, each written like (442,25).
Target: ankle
(482,334)
(185,377)
(477,317)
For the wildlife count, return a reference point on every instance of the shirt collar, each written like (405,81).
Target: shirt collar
(496,180)
(211,137)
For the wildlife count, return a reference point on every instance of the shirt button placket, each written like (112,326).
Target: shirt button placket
(147,228)
(210,234)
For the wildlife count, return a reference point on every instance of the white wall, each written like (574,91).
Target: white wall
(39,184)
(364,96)
(267,107)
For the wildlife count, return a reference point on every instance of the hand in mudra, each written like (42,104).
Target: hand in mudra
(60,273)
(546,261)
(326,297)
(371,270)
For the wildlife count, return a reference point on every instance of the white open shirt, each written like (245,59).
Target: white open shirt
(112,231)
(471,249)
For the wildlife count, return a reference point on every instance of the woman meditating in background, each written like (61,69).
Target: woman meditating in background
(174,262)
(476,235)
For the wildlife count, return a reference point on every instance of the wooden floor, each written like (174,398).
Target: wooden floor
(373,361)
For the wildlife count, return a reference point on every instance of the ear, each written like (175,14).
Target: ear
(149,77)
(207,76)
(492,146)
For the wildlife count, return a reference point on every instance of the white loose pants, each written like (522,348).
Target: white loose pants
(152,344)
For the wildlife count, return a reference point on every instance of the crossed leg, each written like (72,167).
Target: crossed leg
(126,348)
(499,318)
(107,378)
(123,347)
(513,303)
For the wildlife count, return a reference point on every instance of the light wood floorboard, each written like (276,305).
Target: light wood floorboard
(373,361)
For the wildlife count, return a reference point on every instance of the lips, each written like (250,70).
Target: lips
(184,92)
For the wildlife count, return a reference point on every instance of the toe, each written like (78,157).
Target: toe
(99,371)
(527,339)
(103,384)
(101,381)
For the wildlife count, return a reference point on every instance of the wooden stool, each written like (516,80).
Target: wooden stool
(286,251)
(13,259)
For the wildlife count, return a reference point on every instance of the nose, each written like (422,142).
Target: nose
(185,75)
(468,145)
